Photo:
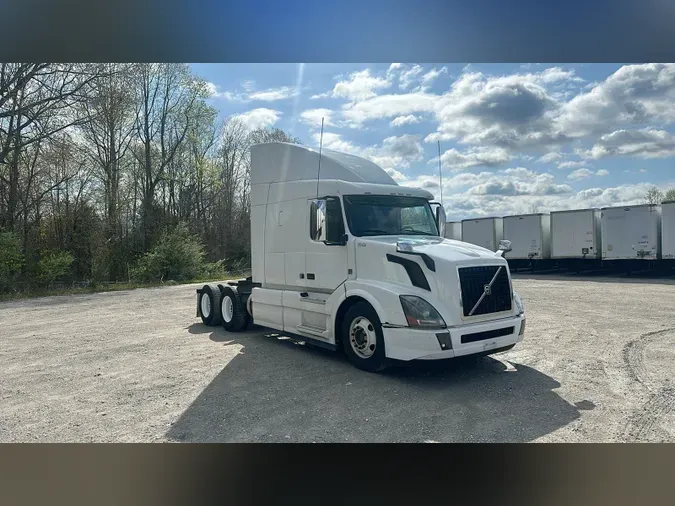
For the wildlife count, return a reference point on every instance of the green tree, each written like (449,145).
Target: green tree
(178,256)
(11,260)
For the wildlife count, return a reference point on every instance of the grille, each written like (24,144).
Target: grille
(472,281)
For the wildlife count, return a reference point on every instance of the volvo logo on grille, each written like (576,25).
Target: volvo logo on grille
(487,289)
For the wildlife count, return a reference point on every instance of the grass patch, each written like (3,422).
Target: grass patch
(109,287)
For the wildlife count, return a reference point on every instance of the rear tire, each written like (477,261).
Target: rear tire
(362,338)
(209,305)
(235,316)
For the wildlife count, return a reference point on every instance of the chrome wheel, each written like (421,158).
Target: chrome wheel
(362,337)
(227,309)
(206,305)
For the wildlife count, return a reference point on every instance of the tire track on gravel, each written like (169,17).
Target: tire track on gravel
(662,399)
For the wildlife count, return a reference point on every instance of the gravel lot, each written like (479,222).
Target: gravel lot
(597,364)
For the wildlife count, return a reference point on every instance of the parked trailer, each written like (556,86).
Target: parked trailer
(576,234)
(453,230)
(483,232)
(631,232)
(668,230)
(529,235)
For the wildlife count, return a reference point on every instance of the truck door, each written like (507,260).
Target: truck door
(326,250)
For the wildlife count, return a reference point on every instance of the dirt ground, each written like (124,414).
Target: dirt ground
(597,364)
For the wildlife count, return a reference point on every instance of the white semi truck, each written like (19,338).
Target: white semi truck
(344,257)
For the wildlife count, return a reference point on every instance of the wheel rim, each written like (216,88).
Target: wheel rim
(362,337)
(227,309)
(206,305)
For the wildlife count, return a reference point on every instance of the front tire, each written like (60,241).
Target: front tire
(362,338)
(235,316)
(209,305)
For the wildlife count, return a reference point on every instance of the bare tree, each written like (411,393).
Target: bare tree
(110,113)
(167,94)
(669,196)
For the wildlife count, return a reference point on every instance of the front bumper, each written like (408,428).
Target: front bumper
(405,343)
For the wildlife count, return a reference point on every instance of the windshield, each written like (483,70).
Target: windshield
(389,215)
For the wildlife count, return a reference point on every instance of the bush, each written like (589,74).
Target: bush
(52,266)
(215,270)
(11,260)
(177,256)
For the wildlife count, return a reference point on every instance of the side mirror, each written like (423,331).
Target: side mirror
(504,247)
(318,220)
(440,218)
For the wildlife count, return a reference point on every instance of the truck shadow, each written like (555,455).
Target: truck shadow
(275,390)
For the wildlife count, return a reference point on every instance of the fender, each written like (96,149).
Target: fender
(385,301)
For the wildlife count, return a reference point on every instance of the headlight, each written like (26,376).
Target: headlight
(419,313)
(519,303)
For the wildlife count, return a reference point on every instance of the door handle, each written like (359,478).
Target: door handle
(310,275)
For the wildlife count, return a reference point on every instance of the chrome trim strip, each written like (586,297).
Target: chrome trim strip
(294,288)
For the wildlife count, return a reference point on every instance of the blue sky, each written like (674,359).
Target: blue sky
(514,138)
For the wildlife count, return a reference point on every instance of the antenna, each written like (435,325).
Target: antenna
(319,171)
(440,174)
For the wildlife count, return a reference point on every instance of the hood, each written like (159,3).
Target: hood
(437,247)
(377,259)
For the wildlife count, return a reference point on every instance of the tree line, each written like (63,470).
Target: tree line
(654,196)
(116,171)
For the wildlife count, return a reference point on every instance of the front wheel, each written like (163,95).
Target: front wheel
(362,338)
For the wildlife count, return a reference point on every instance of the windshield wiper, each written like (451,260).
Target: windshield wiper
(415,232)
(375,231)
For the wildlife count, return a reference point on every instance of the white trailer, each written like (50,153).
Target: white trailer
(529,235)
(631,232)
(576,234)
(668,230)
(342,256)
(483,232)
(453,230)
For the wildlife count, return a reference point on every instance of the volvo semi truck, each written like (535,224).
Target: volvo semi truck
(343,257)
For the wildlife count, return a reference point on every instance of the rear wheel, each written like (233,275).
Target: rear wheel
(362,338)
(235,316)
(209,305)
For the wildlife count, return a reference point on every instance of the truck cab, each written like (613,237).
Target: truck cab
(344,257)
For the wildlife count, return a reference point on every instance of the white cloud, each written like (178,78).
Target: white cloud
(513,112)
(602,172)
(388,106)
(259,118)
(570,164)
(408,119)
(320,95)
(408,77)
(579,174)
(550,157)
(214,92)
(393,68)
(394,152)
(634,94)
(399,177)
(428,79)
(644,143)
(273,94)
(474,157)
(312,117)
(268,95)
(359,86)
